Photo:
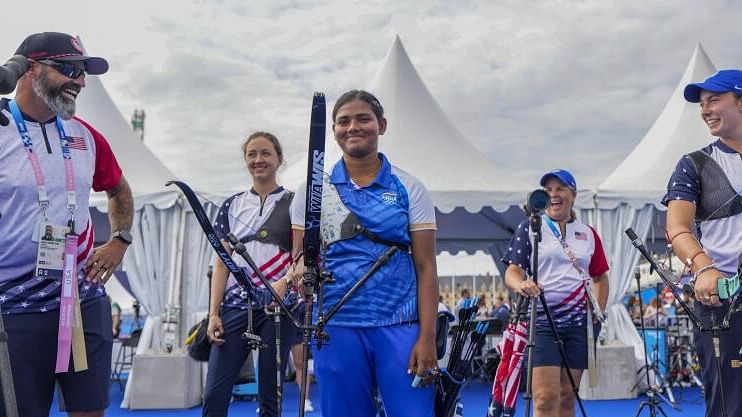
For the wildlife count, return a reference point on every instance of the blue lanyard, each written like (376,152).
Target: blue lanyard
(554,229)
(33,159)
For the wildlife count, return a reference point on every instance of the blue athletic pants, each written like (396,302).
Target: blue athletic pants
(356,360)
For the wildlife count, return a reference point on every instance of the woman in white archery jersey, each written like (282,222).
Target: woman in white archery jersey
(260,218)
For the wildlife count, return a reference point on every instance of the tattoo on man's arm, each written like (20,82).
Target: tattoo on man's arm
(121,206)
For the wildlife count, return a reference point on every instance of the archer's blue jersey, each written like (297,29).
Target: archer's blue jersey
(393,206)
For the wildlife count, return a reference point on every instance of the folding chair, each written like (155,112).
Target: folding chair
(125,357)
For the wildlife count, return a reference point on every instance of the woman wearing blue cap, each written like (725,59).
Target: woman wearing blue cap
(571,258)
(704,220)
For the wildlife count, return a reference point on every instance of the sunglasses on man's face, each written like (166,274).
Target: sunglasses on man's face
(65,68)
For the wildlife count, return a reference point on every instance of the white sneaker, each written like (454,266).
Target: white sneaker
(308,408)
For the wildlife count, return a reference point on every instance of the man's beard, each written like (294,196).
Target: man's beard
(53,98)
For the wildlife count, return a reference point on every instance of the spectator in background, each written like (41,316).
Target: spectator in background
(686,299)
(632,305)
(483,312)
(441,305)
(501,312)
(655,313)
(465,295)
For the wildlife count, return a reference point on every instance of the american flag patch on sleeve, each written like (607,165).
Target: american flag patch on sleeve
(76,143)
(580,235)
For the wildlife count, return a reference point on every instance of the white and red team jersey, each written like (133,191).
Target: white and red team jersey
(562,284)
(244,214)
(95,167)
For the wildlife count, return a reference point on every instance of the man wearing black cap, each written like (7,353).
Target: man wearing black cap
(703,196)
(49,161)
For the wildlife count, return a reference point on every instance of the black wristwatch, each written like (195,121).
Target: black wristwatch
(122,235)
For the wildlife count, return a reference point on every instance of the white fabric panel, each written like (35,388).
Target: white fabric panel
(622,255)
(622,258)
(198,255)
(148,269)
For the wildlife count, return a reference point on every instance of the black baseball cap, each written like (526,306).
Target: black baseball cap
(60,47)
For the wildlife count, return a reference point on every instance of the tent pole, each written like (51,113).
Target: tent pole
(172,308)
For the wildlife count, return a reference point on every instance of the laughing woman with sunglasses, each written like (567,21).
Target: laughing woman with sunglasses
(571,260)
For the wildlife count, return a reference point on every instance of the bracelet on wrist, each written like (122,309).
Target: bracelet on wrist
(702,270)
(695,255)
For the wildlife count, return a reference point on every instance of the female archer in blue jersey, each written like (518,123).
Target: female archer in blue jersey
(385,333)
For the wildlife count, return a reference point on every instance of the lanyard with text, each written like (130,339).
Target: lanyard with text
(593,308)
(70,339)
(585,279)
(40,183)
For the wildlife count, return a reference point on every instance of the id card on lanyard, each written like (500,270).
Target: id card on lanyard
(70,339)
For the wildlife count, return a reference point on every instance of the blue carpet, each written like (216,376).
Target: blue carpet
(475,397)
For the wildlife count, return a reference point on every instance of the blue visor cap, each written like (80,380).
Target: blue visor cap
(562,175)
(723,81)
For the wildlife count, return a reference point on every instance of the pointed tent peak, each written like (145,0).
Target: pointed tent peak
(421,139)
(698,66)
(642,177)
(396,57)
(396,47)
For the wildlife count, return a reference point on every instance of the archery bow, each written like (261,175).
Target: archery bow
(313,211)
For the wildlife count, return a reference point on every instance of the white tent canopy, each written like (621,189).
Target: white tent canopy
(160,276)
(421,139)
(631,195)
(642,177)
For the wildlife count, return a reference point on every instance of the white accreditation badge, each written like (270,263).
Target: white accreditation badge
(50,255)
(38,227)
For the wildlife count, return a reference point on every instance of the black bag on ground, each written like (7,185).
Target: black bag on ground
(198,344)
